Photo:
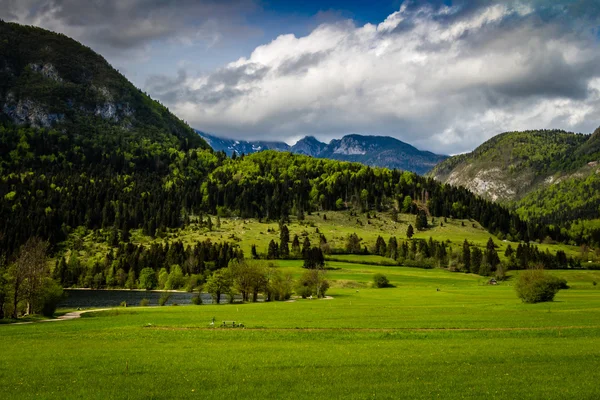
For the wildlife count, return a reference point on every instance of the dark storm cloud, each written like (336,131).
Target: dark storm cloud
(125,24)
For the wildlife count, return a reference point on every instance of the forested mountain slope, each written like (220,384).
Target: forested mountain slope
(551,177)
(72,165)
(48,80)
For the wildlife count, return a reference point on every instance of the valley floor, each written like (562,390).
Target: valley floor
(411,341)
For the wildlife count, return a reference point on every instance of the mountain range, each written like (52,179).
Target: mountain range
(375,151)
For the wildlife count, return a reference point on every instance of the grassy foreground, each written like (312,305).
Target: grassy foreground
(410,341)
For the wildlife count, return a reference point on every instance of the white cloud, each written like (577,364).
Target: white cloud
(441,79)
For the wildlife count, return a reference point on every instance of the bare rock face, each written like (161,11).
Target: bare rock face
(29,112)
(46,70)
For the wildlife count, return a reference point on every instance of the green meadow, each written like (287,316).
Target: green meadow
(336,226)
(465,340)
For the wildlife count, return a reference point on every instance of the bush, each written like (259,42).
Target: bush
(164,298)
(52,294)
(197,300)
(144,303)
(380,281)
(536,286)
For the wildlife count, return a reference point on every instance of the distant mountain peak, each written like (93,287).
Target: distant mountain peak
(376,151)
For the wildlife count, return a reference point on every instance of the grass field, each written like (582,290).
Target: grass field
(468,340)
(336,228)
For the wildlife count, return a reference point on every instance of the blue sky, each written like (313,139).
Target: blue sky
(441,75)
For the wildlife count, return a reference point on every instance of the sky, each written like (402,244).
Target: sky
(441,75)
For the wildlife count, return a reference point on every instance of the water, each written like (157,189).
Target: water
(113,298)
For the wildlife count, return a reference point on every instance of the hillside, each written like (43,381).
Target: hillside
(548,176)
(48,80)
(375,151)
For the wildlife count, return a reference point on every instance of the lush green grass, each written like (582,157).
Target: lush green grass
(411,341)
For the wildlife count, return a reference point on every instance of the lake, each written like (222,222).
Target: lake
(85,298)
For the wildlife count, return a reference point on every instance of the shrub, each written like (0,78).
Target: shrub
(144,303)
(197,300)
(380,281)
(164,298)
(123,304)
(52,294)
(536,286)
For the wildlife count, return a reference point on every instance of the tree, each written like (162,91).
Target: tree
(353,244)
(3,289)
(407,204)
(220,282)
(476,258)
(410,232)
(380,247)
(284,235)
(312,282)
(254,253)
(313,258)
(273,250)
(491,256)
(466,255)
(28,274)
(296,246)
(147,279)
(175,280)
(392,248)
(130,283)
(249,278)
(421,221)
(394,215)
(305,246)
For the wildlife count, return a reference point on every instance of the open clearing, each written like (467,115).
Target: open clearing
(409,341)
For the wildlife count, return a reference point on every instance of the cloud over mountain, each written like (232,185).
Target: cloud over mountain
(442,78)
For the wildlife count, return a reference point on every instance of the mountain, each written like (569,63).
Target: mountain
(375,151)
(241,146)
(309,145)
(550,176)
(48,80)
(381,151)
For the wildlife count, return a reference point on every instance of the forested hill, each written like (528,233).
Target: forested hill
(48,80)
(70,164)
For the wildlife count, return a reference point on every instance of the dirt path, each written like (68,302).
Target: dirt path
(65,317)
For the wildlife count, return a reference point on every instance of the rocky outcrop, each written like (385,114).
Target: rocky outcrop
(48,71)
(24,112)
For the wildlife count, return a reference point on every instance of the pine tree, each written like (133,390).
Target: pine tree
(410,232)
(296,246)
(476,258)
(421,221)
(284,235)
(491,256)
(273,251)
(466,255)
(305,246)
